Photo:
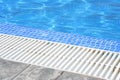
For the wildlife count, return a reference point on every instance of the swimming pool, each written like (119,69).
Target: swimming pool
(95,18)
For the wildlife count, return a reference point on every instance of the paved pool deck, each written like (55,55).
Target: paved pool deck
(18,71)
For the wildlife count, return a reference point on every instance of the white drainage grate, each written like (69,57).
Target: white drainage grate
(82,60)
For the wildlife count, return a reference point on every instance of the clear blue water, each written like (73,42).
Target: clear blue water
(96,18)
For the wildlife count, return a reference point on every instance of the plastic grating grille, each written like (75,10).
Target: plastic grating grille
(77,59)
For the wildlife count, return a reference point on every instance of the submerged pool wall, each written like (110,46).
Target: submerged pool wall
(73,39)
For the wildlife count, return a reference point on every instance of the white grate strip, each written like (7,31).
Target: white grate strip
(82,60)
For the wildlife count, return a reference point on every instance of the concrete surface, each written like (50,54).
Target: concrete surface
(19,71)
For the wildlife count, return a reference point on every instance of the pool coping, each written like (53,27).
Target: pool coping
(49,55)
(61,37)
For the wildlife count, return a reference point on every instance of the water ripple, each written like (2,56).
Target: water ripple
(98,18)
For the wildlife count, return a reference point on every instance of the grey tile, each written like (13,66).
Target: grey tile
(72,76)
(38,73)
(18,71)
(8,69)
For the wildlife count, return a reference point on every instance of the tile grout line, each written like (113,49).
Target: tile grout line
(21,72)
(59,75)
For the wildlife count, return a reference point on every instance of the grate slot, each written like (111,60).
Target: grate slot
(109,72)
(77,59)
(88,62)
